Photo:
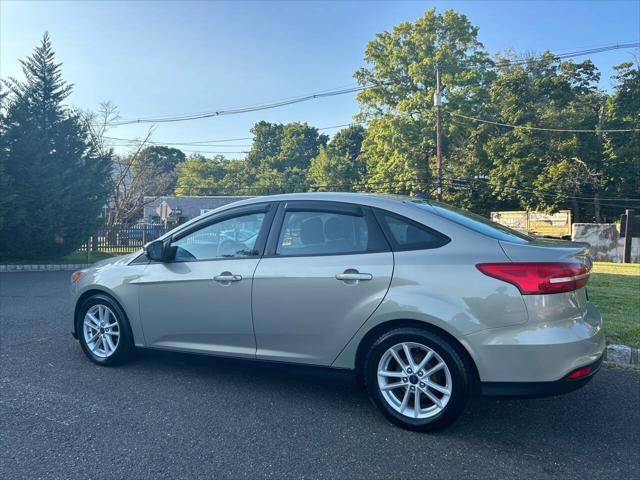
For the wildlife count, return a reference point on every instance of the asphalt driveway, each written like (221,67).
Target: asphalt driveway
(180,416)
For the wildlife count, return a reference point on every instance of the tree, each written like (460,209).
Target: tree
(156,165)
(340,166)
(330,171)
(6,190)
(546,170)
(401,72)
(60,179)
(281,155)
(199,175)
(622,166)
(267,138)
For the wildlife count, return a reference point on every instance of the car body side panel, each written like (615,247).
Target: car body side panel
(542,351)
(302,313)
(183,308)
(117,279)
(443,287)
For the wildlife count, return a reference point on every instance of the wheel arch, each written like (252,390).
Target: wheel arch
(370,337)
(90,293)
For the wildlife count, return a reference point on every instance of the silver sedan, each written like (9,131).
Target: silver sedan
(427,303)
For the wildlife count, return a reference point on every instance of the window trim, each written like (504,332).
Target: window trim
(268,208)
(379,214)
(324,207)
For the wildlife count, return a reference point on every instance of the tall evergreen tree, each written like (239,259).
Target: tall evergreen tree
(6,191)
(59,178)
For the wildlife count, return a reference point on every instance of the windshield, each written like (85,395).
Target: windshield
(473,221)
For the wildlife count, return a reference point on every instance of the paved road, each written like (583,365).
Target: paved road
(180,416)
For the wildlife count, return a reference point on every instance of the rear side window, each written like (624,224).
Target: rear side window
(326,233)
(406,234)
(474,222)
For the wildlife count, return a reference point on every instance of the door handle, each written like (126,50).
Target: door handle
(227,277)
(353,276)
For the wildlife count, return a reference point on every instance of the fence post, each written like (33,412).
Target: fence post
(628,239)
(88,246)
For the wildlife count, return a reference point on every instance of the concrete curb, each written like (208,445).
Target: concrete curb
(622,354)
(43,267)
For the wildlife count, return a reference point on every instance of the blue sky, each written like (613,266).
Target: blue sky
(162,57)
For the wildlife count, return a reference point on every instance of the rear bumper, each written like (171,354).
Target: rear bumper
(542,352)
(538,389)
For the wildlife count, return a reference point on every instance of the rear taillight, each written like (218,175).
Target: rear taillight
(539,278)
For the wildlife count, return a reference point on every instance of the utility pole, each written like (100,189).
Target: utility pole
(437,102)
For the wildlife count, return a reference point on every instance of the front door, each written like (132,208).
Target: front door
(201,301)
(326,269)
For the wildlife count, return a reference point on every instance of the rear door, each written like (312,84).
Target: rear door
(327,267)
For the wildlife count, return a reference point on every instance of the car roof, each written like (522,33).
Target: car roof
(370,199)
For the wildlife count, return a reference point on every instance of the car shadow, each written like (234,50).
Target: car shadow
(510,424)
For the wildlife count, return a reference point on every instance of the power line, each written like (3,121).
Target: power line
(234,111)
(542,129)
(210,143)
(331,93)
(578,53)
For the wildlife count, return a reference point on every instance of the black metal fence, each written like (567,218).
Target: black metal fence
(120,239)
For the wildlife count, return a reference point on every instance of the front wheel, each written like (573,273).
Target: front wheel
(104,333)
(417,379)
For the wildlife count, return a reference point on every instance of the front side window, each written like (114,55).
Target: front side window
(230,238)
(322,233)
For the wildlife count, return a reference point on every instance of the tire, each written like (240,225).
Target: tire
(116,345)
(397,400)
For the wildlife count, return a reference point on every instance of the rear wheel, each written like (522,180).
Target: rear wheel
(104,332)
(417,379)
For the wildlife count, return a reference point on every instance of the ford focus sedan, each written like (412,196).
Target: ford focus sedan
(427,303)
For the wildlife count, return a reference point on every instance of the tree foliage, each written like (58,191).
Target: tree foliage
(57,177)
(622,165)
(401,69)
(339,165)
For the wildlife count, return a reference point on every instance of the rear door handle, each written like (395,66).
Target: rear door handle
(227,277)
(353,276)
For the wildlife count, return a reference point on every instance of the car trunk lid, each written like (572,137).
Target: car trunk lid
(548,250)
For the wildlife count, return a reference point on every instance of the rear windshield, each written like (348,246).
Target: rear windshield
(474,222)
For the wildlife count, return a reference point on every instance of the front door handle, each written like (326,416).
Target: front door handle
(227,277)
(352,276)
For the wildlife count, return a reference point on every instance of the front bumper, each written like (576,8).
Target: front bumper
(537,352)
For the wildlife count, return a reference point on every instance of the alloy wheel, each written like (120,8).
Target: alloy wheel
(414,380)
(101,331)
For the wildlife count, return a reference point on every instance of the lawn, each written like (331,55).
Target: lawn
(615,289)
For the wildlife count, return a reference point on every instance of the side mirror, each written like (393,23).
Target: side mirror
(155,251)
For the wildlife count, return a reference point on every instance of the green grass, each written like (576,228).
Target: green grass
(76,257)
(615,289)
